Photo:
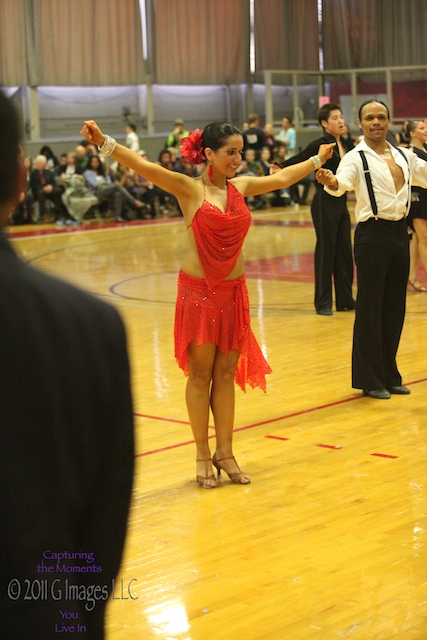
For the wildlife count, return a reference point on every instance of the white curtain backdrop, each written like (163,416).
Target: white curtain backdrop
(18,43)
(201,41)
(374,33)
(286,34)
(79,43)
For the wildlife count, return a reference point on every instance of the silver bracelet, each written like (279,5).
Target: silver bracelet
(108,146)
(316,161)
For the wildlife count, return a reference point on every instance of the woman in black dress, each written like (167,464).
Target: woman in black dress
(416,131)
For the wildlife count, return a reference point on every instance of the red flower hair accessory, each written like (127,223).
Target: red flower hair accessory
(192,147)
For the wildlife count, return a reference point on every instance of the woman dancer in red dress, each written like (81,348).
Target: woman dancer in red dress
(214,343)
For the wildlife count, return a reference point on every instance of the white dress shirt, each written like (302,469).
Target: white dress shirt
(132,141)
(392,205)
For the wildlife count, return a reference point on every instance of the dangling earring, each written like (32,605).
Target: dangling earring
(210,174)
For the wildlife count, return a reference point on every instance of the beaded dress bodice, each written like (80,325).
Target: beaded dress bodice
(219,236)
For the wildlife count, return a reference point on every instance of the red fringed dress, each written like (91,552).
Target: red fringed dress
(213,309)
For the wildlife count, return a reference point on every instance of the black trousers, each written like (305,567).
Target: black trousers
(381,250)
(333,257)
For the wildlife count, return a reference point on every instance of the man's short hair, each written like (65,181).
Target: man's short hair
(10,136)
(369,102)
(325,110)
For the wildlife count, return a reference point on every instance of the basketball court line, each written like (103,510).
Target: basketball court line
(255,424)
(95,227)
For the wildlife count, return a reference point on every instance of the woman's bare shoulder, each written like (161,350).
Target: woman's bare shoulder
(193,201)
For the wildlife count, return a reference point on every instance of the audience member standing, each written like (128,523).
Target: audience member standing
(270,140)
(132,140)
(254,136)
(177,134)
(287,136)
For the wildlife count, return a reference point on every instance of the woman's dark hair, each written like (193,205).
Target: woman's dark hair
(162,153)
(411,126)
(10,151)
(99,169)
(47,151)
(215,134)
(369,102)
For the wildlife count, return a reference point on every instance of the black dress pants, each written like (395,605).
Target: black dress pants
(381,250)
(333,255)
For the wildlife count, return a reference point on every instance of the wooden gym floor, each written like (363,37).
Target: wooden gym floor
(329,539)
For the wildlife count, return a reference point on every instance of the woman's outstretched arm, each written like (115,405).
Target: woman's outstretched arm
(251,186)
(177,183)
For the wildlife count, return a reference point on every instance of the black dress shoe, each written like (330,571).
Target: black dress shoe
(324,312)
(379,394)
(400,391)
(348,307)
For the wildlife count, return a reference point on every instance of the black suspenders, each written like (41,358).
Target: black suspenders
(369,185)
(369,182)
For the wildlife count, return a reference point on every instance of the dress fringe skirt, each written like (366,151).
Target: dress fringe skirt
(219,316)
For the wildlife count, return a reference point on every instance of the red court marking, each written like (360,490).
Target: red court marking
(276,438)
(144,415)
(383,455)
(298,413)
(255,424)
(172,446)
(329,446)
(281,223)
(298,267)
(95,226)
(249,426)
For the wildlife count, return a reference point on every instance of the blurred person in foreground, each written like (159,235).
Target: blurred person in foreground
(66,439)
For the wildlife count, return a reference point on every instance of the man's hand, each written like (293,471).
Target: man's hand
(326,177)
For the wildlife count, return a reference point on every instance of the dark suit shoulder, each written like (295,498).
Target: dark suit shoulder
(33,294)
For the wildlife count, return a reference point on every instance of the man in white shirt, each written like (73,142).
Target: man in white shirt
(132,140)
(288,137)
(381,246)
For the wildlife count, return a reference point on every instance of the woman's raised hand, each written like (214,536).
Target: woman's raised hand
(325,151)
(93,133)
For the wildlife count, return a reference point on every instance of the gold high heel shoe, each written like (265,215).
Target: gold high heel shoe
(417,286)
(237,476)
(201,480)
